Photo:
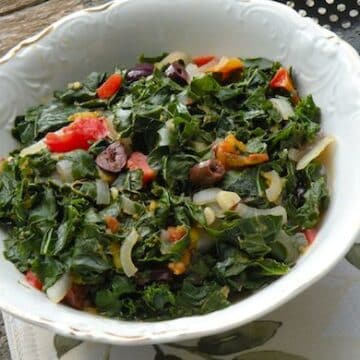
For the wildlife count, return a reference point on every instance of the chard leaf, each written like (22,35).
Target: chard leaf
(110,299)
(83,165)
(203,86)
(42,119)
(158,296)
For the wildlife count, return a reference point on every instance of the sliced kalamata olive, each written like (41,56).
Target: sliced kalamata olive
(113,158)
(176,72)
(207,172)
(139,71)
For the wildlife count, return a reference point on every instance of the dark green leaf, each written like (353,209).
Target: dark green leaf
(203,86)
(175,170)
(49,270)
(46,210)
(42,119)
(158,296)
(83,165)
(265,227)
(129,181)
(109,300)
(89,260)
(270,267)
(247,183)
(39,164)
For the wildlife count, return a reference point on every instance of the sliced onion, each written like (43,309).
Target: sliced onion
(227,199)
(164,134)
(247,211)
(206,196)
(102,192)
(316,150)
(64,169)
(33,149)
(125,253)
(193,71)
(170,125)
(58,291)
(219,212)
(128,206)
(294,154)
(164,235)
(276,185)
(210,215)
(172,57)
(109,118)
(184,98)
(282,105)
(114,192)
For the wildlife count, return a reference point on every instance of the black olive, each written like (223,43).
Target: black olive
(113,158)
(139,71)
(176,72)
(207,172)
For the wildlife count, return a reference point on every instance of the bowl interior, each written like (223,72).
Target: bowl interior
(97,40)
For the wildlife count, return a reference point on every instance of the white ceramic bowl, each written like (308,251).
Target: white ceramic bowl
(117,33)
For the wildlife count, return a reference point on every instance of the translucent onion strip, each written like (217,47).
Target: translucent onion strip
(125,253)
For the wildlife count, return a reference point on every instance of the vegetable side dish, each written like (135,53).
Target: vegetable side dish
(168,189)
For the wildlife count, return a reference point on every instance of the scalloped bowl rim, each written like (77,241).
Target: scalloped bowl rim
(280,291)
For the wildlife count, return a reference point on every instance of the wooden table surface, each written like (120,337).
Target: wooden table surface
(22,18)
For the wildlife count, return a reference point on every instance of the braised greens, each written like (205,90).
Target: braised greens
(186,262)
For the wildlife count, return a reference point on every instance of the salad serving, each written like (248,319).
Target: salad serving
(169,189)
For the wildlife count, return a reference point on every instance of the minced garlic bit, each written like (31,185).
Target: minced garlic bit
(77,85)
(209,214)
(227,199)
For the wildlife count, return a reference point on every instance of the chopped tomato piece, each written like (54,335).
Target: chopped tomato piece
(202,60)
(76,297)
(138,160)
(112,223)
(282,80)
(231,153)
(310,235)
(80,134)
(33,280)
(110,87)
